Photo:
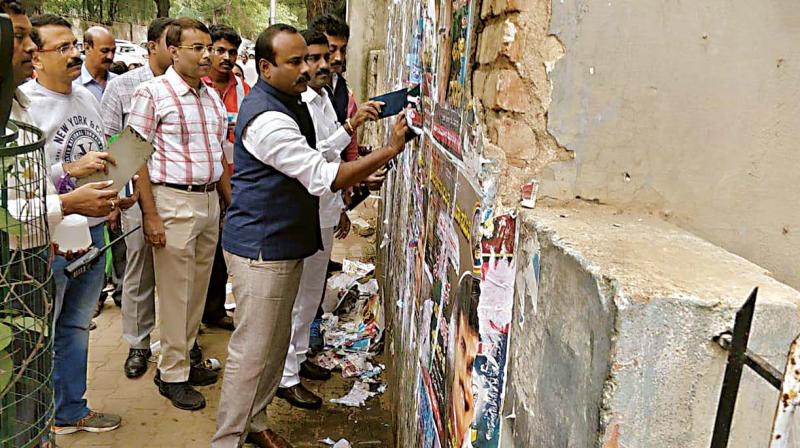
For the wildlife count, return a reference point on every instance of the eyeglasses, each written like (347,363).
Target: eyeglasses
(220,51)
(62,50)
(197,48)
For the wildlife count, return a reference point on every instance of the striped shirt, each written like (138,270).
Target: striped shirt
(118,98)
(186,126)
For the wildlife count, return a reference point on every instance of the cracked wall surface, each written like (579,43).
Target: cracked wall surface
(689,110)
(512,90)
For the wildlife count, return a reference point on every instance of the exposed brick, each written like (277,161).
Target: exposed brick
(500,7)
(478,83)
(505,90)
(516,138)
(500,39)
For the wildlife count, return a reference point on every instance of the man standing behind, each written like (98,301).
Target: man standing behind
(186,122)
(75,143)
(331,140)
(225,50)
(272,225)
(138,290)
(344,103)
(100,49)
(95,76)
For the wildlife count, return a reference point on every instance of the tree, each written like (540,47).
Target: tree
(316,8)
(162,8)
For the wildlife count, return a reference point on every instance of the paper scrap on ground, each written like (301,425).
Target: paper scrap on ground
(359,394)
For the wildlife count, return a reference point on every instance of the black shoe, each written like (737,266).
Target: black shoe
(300,397)
(334,266)
(198,376)
(136,364)
(196,354)
(226,323)
(117,296)
(312,371)
(182,395)
(201,376)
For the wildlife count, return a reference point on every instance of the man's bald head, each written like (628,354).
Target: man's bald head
(100,48)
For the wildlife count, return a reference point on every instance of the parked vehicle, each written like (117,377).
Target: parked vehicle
(130,53)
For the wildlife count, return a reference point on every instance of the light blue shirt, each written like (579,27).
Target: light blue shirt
(90,83)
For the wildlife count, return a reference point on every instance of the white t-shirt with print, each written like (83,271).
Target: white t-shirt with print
(71,123)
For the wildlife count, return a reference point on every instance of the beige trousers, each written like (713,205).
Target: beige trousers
(265,293)
(182,270)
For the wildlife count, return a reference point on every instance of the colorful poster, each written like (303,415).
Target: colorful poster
(451,258)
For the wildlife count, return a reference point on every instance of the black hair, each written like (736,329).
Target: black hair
(11,7)
(315,37)
(118,68)
(468,299)
(331,25)
(46,20)
(157,27)
(176,28)
(264,49)
(219,32)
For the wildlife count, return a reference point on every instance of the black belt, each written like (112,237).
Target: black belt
(202,187)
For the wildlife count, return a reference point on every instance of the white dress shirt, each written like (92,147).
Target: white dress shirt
(274,138)
(332,139)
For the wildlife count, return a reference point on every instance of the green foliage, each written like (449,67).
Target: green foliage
(27,323)
(249,17)
(6,369)
(5,336)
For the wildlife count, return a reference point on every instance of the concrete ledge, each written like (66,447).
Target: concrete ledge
(611,344)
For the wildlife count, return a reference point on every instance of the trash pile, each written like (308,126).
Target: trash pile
(352,328)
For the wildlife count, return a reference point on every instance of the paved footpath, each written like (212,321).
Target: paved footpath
(149,420)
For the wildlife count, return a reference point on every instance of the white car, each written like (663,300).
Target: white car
(130,53)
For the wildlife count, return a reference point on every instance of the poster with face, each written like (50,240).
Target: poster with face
(457,18)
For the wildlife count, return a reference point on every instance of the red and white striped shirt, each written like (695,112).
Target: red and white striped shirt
(186,127)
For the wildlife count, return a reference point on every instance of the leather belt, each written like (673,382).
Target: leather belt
(200,188)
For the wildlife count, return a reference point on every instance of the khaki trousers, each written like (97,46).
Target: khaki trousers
(138,286)
(265,293)
(182,270)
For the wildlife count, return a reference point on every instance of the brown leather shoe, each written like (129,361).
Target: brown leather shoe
(267,439)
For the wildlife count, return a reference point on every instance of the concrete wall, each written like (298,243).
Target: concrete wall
(690,109)
(367,19)
(611,341)
(121,30)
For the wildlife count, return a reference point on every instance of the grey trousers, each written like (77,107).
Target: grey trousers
(265,293)
(139,284)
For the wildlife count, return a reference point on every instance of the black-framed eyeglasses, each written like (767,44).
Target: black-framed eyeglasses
(198,48)
(220,51)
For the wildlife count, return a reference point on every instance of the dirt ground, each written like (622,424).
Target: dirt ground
(149,420)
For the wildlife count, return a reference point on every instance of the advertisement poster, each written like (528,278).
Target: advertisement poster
(450,257)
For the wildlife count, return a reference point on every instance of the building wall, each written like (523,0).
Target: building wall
(688,109)
(612,345)
(367,19)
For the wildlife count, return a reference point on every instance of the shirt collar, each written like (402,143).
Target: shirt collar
(86,77)
(180,86)
(232,81)
(22,99)
(310,95)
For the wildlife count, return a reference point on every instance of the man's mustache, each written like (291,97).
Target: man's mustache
(74,62)
(305,77)
(323,72)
